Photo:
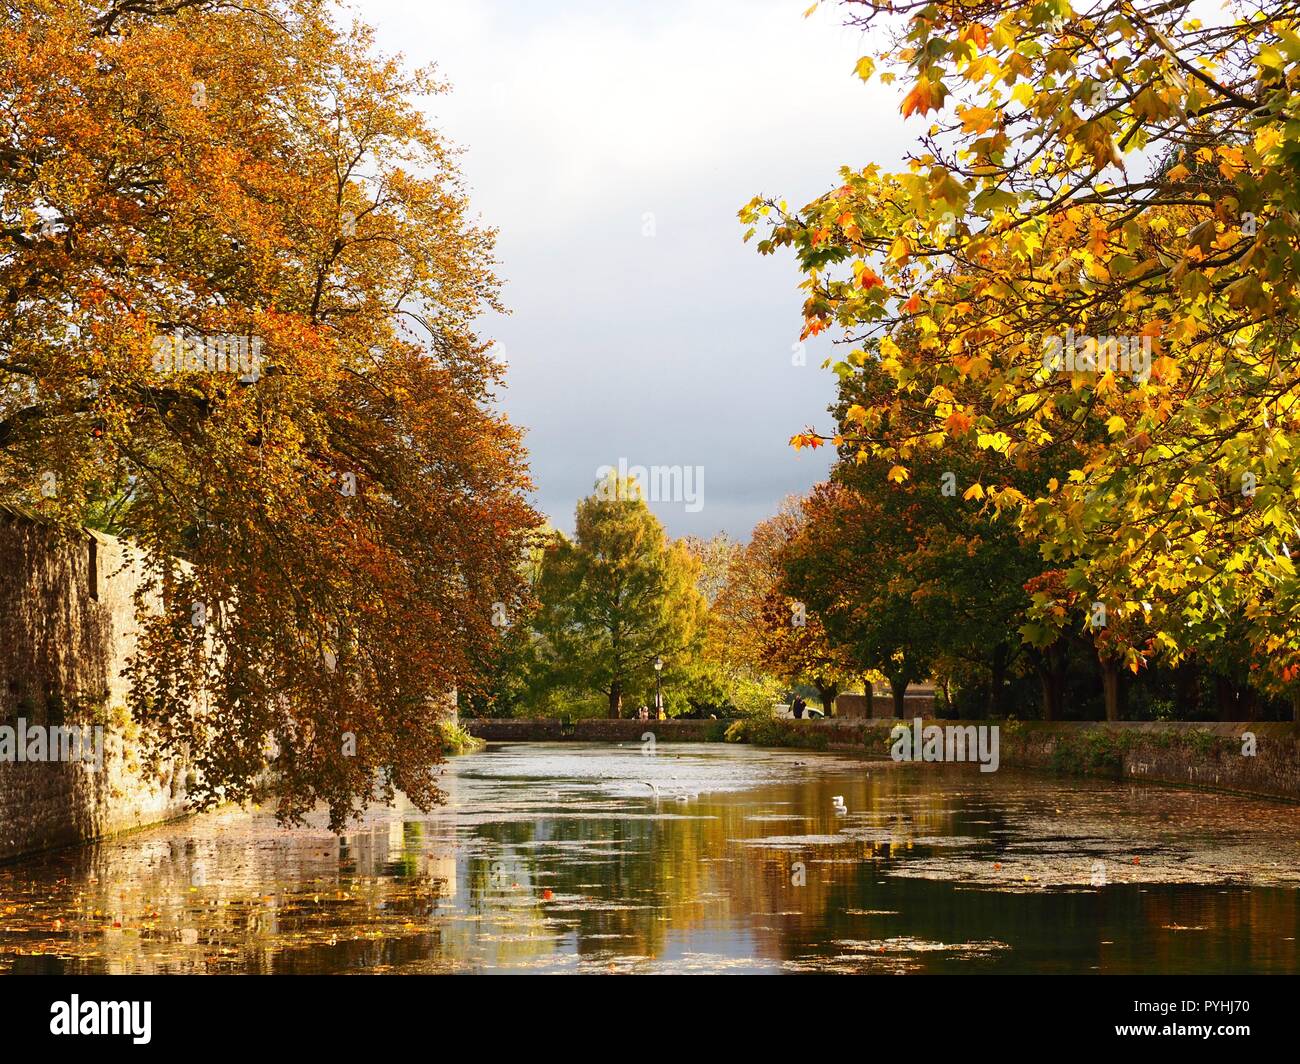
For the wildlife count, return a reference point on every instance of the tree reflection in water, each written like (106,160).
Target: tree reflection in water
(559,858)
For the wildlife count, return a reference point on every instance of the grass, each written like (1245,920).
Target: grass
(456,740)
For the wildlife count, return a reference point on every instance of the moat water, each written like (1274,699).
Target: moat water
(576,857)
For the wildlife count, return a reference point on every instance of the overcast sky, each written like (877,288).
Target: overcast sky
(612,143)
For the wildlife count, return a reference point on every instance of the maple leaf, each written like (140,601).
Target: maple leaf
(958,422)
(925,96)
(869,279)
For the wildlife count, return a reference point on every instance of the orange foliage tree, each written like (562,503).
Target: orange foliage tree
(766,627)
(238,277)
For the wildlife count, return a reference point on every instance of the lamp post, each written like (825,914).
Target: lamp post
(659,698)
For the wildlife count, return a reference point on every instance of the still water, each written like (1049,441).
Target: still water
(702,858)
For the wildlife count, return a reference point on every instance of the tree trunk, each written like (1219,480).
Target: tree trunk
(1049,665)
(1226,698)
(1051,707)
(869,690)
(1111,687)
(1295,703)
(1187,690)
(898,685)
(615,700)
(1248,699)
(997,681)
(827,693)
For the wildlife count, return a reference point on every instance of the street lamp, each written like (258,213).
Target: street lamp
(659,698)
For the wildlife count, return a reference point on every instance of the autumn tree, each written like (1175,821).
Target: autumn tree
(1097,232)
(763,626)
(715,556)
(917,571)
(238,275)
(616,597)
(861,595)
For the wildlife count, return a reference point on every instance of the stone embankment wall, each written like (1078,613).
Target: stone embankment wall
(1245,757)
(593,730)
(67,627)
(1214,756)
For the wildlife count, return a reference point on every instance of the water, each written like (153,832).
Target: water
(562,858)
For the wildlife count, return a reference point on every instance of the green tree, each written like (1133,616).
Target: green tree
(516,684)
(615,597)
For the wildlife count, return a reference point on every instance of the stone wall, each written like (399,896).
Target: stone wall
(1182,753)
(1206,755)
(593,730)
(67,627)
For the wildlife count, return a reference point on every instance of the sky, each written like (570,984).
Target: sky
(611,144)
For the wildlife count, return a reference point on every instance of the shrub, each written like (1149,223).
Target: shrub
(773,731)
(1100,752)
(456,740)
